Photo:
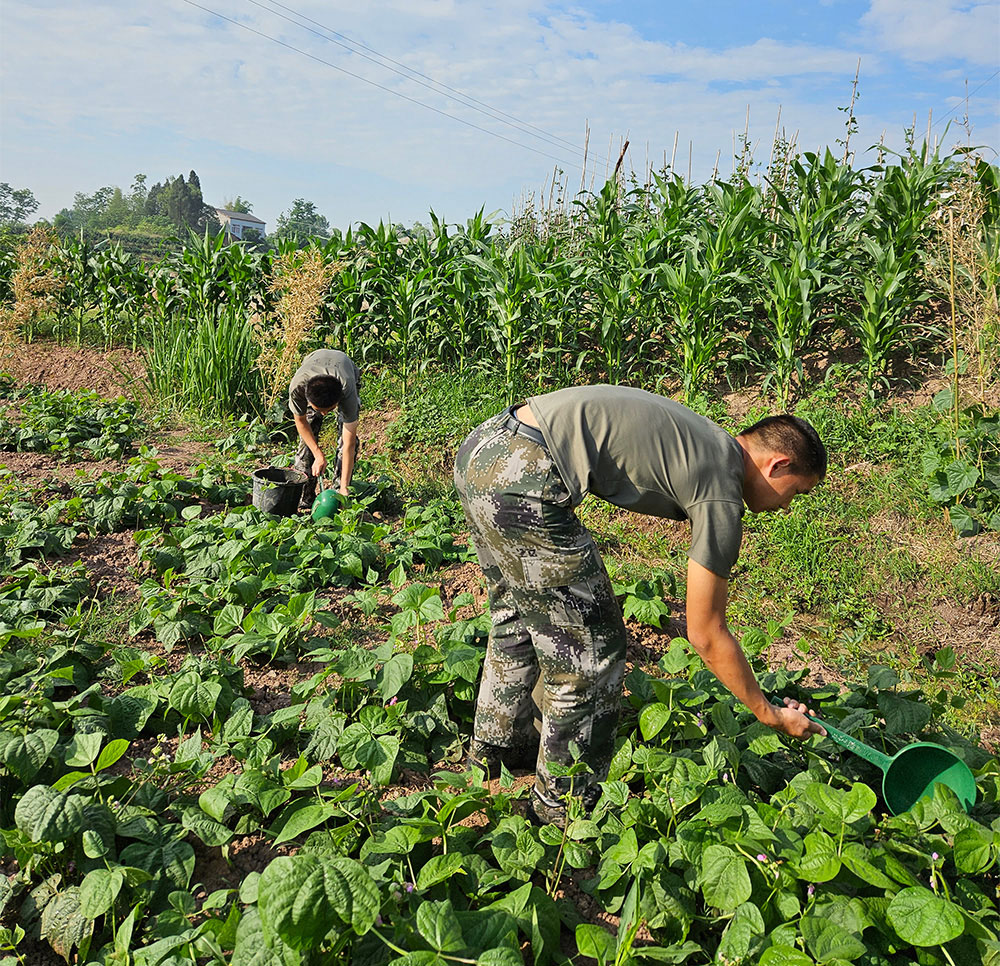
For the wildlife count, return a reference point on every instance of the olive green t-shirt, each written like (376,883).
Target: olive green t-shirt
(652,455)
(327,362)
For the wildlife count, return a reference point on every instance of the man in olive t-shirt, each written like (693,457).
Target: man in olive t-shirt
(326,380)
(553,611)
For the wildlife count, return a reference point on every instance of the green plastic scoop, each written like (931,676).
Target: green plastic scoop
(911,773)
(327,503)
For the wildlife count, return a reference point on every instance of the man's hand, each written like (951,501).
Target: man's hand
(792,720)
(343,491)
(319,465)
(721,652)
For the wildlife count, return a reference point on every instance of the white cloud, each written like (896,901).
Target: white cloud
(170,74)
(933,30)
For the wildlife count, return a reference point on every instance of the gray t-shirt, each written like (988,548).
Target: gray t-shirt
(327,362)
(652,455)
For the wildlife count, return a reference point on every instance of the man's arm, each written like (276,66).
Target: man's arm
(708,632)
(347,444)
(306,435)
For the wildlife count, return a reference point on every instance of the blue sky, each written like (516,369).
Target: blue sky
(94,93)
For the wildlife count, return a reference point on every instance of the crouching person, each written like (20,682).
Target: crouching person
(326,380)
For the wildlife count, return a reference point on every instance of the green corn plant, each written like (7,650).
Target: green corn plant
(347,303)
(122,288)
(798,281)
(732,227)
(883,321)
(508,282)
(460,305)
(623,309)
(406,304)
(693,299)
(560,292)
(603,220)
(821,188)
(209,274)
(674,208)
(789,289)
(79,291)
(890,270)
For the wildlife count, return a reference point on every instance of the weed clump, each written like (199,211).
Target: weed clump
(34,283)
(300,281)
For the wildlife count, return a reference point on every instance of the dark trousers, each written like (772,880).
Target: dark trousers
(304,457)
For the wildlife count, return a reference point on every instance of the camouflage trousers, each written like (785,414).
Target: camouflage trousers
(553,610)
(304,457)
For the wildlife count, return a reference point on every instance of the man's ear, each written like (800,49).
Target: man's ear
(778,465)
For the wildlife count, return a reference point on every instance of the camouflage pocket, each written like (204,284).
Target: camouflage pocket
(566,577)
(544,569)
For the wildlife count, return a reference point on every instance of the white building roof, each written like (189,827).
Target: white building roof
(239,215)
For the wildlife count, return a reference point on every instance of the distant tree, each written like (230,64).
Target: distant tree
(137,198)
(89,212)
(301,222)
(238,204)
(181,203)
(118,213)
(16,204)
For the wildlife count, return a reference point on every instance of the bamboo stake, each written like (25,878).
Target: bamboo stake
(673,154)
(954,328)
(621,157)
(586,146)
(774,140)
(850,113)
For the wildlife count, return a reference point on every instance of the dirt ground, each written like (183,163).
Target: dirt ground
(116,372)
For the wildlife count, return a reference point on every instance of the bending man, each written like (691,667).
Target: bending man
(326,380)
(554,613)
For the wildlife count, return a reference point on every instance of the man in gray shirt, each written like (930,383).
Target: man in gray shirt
(554,613)
(326,380)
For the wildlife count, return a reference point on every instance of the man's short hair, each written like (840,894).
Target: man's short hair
(792,437)
(323,392)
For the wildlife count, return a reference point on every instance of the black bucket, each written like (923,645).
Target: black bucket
(278,491)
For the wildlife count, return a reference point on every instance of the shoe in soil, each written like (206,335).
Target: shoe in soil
(489,757)
(486,757)
(543,812)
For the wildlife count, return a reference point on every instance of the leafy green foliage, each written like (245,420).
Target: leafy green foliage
(642,600)
(962,464)
(64,422)
(128,777)
(660,283)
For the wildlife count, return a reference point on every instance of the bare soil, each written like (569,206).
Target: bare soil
(112,560)
(114,372)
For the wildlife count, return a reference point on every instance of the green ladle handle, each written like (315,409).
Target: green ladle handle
(852,744)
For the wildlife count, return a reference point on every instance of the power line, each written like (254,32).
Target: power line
(966,99)
(467,100)
(382,87)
